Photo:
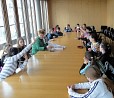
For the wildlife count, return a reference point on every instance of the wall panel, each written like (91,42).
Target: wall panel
(91,12)
(110,13)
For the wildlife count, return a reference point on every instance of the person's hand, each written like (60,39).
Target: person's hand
(34,40)
(89,49)
(71,86)
(26,57)
(52,39)
(68,87)
(49,47)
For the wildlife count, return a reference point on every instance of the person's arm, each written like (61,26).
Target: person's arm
(93,90)
(49,36)
(82,71)
(85,85)
(23,64)
(82,30)
(66,29)
(38,47)
(20,54)
(73,93)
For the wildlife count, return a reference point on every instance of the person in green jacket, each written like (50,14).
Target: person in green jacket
(40,44)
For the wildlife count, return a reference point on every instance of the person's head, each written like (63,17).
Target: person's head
(9,50)
(93,73)
(84,26)
(58,29)
(78,25)
(6,48)
(68,25)
(41,33)
(103,47)
(88,29)
(56,26)
(88,56)
(20,42)
(93,38)
(51,30)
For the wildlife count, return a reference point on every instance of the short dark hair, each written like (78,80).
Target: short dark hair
(41,31)
(78,24)
(58,28)
(12,51)
(89,28)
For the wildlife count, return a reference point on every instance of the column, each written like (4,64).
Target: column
(17,18)
(38,14)
(6,21)
(26,21)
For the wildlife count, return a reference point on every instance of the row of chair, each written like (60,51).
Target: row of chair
(108,32)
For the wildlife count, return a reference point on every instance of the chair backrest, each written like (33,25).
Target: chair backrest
(103,28)
(107,68)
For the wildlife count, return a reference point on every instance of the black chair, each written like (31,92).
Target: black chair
(107,69)
(103,28)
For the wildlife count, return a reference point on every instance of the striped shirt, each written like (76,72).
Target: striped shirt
(97,89)
(10,63)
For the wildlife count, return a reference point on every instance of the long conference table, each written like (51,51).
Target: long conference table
(48,73)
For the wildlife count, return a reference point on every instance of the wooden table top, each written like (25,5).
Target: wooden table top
(48,73)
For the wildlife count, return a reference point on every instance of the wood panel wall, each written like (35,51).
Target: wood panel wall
(110,13)
(91,12)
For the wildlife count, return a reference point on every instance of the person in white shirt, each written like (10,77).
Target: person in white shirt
(96,86)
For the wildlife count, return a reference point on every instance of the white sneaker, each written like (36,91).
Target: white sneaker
(18,70)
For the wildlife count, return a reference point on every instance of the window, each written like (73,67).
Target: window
(20,13)
(2,30)
(11,19)
(30,7)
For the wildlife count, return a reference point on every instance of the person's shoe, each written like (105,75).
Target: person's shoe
(18,70)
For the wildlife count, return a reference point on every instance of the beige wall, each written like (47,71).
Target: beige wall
(91,12)
(110,13)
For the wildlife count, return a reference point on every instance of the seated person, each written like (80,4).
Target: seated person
(104,53)
(77,28)
(42,45)
(84,26)
(58,31)
(94,45)
(68,28)
(96,88)
(105,62)
(20,46)
(55,29)
(84,36)
(11,61)
(88,61)
(52,34)
(4,54)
